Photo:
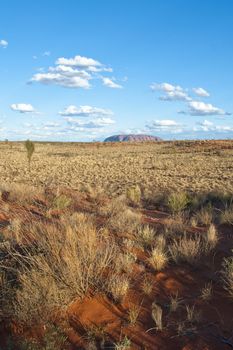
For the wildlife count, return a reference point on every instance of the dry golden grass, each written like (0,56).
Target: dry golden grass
(69,261)
(117,167)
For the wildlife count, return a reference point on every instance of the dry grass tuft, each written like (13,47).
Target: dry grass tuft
(134,194)
(226,216)
(156,314)
(205,216)
(145,236)
(121,218)
(187,249)
(133,314)
(118,287)
(207,292)
(174,303)
(212,236)
(67,262)
(158,259)
(147,286)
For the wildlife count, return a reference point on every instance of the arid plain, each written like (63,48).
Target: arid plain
(192,166)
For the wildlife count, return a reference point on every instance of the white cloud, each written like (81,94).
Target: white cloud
(201,92)
(210,126)
(92,124)
(61,79)
(74,73)
(110,83)
(171,92)
(78,61)
(3,43)
(23,108)
(197,108)
(165,125)
(206,123)
(85,111)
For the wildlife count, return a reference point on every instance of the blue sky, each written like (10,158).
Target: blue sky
(82,70)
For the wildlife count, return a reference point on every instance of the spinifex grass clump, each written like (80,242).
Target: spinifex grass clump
(30,147)
(177,202)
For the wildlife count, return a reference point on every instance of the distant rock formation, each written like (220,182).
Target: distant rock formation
(132,138)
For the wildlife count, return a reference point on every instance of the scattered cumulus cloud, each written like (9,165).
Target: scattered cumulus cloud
(197,108)
(76,72)
(79,62)
(201,92)
(194,108)
(95,118)
(165,125)
(23,108)
(3,43)
(171,92)
(85,111)
(110,83)
(208,126)
(69,79)
(92,124)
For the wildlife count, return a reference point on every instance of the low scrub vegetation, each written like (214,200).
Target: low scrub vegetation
(88,269)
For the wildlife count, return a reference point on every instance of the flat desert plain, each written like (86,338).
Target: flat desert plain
(190,165)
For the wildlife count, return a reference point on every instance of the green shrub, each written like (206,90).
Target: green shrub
(133,194)
(61,202)
(177,202)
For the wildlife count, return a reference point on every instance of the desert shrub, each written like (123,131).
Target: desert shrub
(160,241)
(192,315)
(177,202)
(211,236)
(145,236)
(20,193)
(196,201)
(174,303)
(226,216)
(118,286)
(187,249)
(207,292)
(205,215)
(53,339)
(30,148)
(66,264)
(133,314)
(125,262)
(121,218)
(133,194)
(61,202)
(124,344)
(147,286)
(156,314)
(227,273)
(158,259)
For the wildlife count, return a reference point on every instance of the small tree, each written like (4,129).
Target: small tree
(30,147)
